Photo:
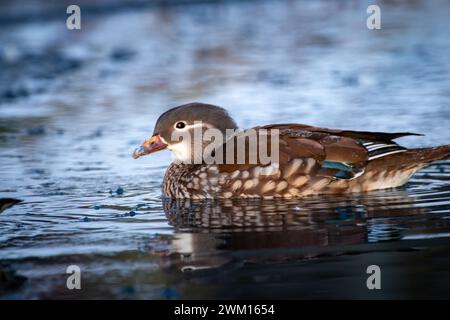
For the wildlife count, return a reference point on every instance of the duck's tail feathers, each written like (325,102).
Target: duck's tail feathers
(413,158)
(427,155)
(395,169)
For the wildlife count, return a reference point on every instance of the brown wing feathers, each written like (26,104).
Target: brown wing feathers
(341,154)
(383,136)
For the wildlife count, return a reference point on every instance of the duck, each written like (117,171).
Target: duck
(307,160)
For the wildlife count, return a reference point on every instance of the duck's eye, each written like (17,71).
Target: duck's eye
(180,125)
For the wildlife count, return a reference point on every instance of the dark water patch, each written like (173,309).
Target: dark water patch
(36,131)
(122,54)
(10,280)
(32,73)
(6,203)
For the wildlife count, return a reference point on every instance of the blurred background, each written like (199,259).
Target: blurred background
(75,103)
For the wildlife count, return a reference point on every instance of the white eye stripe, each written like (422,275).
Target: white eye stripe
(178,122)
(196,124)
(180,125)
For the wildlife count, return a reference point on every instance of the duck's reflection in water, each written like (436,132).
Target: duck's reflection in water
(215,232)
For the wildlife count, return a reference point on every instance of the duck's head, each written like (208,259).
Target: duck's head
(177,129)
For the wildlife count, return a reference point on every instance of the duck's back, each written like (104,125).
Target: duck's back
(310,160)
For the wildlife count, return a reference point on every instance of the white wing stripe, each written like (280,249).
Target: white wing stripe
(381,146)
(385,154)
(375,145)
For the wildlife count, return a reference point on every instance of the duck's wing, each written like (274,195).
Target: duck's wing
(365,135)
(312,151)
(377,144)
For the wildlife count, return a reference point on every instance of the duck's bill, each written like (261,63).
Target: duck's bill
(151,145)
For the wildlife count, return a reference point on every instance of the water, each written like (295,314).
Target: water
(74,105)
